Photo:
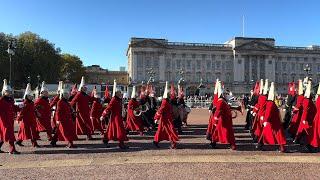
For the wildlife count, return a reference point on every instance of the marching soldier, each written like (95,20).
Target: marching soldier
(27,120)
(96,112)
(115,129)
(314,140)
(288,107)
(53,104)
(297,110)
(134,121)
(164,117)
(272,132)
(43,110)
(253,101)
(65,126)
(7,114)
(82,101)
(223,131)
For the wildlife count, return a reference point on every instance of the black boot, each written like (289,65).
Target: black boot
(53,143)
(213,144)
(1,143)
(259,146)
(19,143)
(156,144)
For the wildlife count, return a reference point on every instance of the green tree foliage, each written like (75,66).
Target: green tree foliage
(37,56)
(72,68)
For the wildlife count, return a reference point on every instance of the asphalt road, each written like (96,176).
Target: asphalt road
(194,159)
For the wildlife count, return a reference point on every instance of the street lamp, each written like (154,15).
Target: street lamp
(307,68)
(10,50)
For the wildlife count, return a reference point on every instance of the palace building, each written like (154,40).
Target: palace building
(238,62)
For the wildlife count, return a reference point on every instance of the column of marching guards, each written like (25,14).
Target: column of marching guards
(73,113)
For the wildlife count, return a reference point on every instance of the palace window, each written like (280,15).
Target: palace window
(228,65)
(293,67)
(183,55)
(198,64)
(179,64)
(203,56)
(213,57)
(155,62)
(218,64)
(223,57)
(284,66)
(208,64)
(173,55)
(188,64)
(193,56)
(168,63)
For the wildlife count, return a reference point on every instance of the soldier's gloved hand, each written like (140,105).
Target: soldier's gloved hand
(261,118)
(156,121)
(265,124)
(304,122)
(58,122)
(101,118)
(284,110)
(210,111)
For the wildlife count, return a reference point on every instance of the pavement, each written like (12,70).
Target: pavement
(194,159)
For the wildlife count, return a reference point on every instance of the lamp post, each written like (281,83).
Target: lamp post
(10,50)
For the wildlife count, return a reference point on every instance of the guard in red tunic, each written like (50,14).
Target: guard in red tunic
(259,110)
(43,111)
(314,140)
(212,108)
(273,132)
(82,101)
(96,112)
(164,117)
(65,127)
(7,113)
(297,110)
(53,104)
(134,121)
(309,111)
(27,120)
(223,132)
(115,129)
(291,98)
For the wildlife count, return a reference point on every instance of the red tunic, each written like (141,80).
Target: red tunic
(115,130)
(259,109)
(43,108)
(52,104)
(7,114)
(308,114)
(27,122)
(224,132)
(166,129)
(273,132)
(211,125)
(134,123)
(66,129)
(83,122)
(96,112)
(297,113)
(315,132)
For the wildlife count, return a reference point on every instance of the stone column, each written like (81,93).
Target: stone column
(162,67)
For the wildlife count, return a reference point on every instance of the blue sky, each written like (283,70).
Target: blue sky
(98,31)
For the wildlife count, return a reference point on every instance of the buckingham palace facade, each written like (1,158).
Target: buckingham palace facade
(238,62)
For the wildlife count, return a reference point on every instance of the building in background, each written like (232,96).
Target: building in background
(238,62)
(122,68)
(97,75)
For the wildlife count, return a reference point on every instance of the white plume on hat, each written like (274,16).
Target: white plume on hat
(308,90)
(43,87)
(271,95)
(63,92)
(220,89)
(266,86)
(261,86)
(318,91)
(60,85)
(134,93)
(5,87)
(28,91)
(115,88)
(82,83)
(300,87)
(166,91)
(216,87)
